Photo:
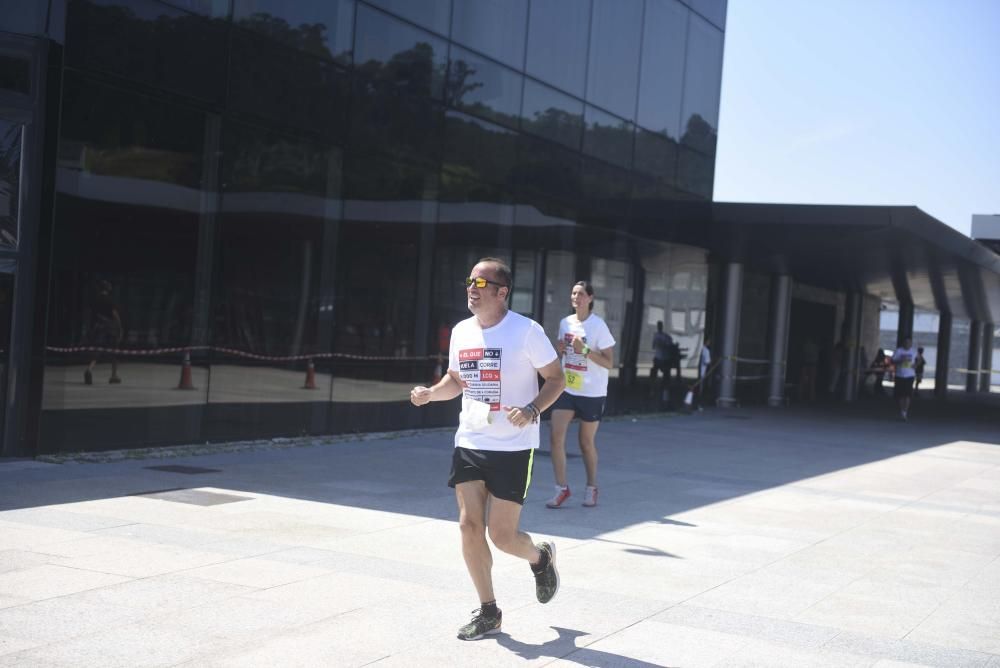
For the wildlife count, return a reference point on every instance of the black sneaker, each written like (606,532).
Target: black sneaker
(481,625)
(547,581)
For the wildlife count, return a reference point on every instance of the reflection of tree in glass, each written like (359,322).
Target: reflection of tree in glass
(308,37)
(457,85)
(610,142)
(699,134)
(557,124)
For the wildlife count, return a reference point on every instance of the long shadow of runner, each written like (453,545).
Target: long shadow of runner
(564,647)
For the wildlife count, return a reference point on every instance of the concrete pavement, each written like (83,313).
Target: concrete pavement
(749,537)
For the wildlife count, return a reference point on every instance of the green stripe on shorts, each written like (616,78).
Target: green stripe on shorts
(527,483)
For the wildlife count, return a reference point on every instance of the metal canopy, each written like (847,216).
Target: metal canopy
(898,253)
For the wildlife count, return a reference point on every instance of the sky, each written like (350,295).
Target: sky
(862,102)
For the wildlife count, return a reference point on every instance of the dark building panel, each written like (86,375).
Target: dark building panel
(558,36)
(493,27)
(661,85)
(432,14)
(149,43)
(613,65)
(322,28)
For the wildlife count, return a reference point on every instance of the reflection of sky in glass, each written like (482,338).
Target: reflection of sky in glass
(704,67)
(613,69)
(494,28)
(336,15)
(433,14)
(662,74)
(557,43)
(489,89)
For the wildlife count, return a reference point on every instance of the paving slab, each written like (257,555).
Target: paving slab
(832,536)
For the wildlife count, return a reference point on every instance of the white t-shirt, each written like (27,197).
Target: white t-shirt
(904,359)
(584,377)
(498,366)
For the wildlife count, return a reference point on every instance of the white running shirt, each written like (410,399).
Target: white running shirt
(584,377)
(498,366)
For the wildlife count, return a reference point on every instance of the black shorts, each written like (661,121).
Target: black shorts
(903,387)
(661,365)
(507,474)
(588,409)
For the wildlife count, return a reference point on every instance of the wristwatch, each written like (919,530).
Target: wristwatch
(586,350)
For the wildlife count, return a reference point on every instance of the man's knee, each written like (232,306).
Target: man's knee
(471,527)
(503,537)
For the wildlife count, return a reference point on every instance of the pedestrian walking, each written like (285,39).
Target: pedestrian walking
(904,358)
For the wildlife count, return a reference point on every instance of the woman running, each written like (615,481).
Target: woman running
(585,346)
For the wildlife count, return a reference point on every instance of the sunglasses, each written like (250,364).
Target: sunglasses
(481,282)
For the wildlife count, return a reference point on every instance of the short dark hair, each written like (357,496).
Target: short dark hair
(502,268)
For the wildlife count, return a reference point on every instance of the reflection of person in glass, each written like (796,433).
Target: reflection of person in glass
(495,358)
(105,331)
(662,347)
(585,345)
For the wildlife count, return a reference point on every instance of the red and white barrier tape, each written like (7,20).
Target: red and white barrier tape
(126,352)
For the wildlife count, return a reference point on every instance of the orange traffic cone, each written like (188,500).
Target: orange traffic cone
(186,383)
(310,383)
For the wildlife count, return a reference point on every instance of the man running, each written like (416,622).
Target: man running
(494,361)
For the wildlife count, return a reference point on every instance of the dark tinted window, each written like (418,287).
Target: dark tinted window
(475,149)
(126,236)
(293,88)
(702,81)
(151,43)
(320,27)
(551,114)
(494,27)
(482,87)
(608,137)
(217,8)
(391,53)
(10,181)
(695,172)
(548,170)
(433,14)
(108,131)
(15,74)
(655,155)
(662,81)
(557,43)
(24,16)
(613,66)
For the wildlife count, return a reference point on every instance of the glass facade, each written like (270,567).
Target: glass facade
(264,212)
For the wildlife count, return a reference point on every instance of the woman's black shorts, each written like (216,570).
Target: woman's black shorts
(588,409)
(506,474)
(903,387)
